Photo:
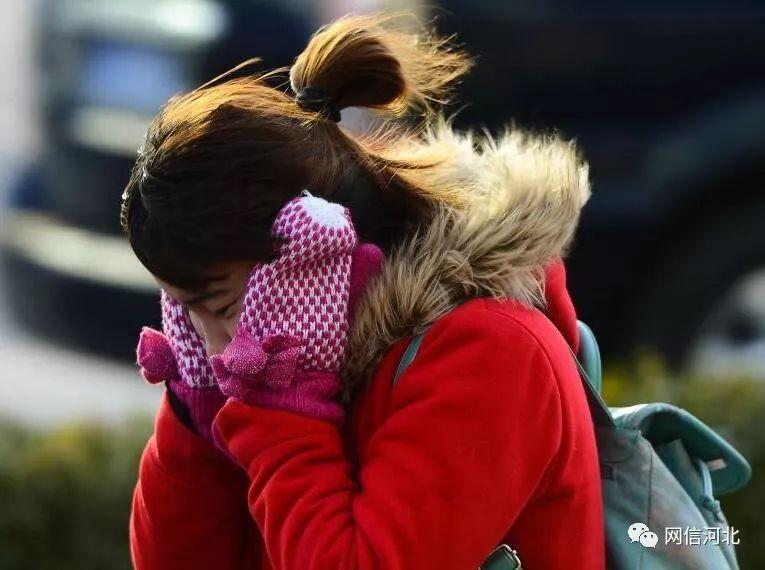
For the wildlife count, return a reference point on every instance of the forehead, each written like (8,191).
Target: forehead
(224,278)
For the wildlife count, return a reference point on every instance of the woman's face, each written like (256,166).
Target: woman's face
(215,311)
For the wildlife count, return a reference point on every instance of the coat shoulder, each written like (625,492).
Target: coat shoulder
(504,320)
(487,338)
(499,335)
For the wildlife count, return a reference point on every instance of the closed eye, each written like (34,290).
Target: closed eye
(223,311)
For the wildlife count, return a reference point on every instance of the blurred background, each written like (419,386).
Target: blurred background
(667,100)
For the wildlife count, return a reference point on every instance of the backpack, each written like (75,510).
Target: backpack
(661,469)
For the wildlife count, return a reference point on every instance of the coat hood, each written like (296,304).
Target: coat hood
(520,197)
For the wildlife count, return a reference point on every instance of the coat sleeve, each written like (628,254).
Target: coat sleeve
(189,508)
(475,421)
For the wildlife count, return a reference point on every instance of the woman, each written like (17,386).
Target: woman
(296,262)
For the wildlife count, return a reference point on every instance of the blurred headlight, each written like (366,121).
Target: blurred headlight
(180,22)
(119,89)
(123,60)
(130,76)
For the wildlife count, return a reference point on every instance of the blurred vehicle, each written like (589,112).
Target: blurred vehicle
(105,68)
(666,99)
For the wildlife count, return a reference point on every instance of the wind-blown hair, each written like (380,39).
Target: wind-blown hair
(219,162)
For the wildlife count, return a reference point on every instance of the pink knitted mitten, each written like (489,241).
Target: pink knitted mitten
(179,358)
(291,339)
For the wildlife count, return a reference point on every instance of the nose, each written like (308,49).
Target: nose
(213,330)
(216,341)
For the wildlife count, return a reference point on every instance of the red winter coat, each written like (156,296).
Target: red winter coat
(486,438)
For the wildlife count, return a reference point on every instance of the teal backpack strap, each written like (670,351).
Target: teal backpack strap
(503,557)
(589,356)
(589,365)
(408,356)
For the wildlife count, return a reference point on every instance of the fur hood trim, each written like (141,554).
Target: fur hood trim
(520,200)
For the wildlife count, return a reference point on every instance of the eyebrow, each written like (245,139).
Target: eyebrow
(204,296)
(223,310)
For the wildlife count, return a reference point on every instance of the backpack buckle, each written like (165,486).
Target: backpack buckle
(502,558)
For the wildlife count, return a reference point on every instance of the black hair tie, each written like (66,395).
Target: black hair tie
(317,99)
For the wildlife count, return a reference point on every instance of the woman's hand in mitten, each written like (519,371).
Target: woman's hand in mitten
(291,339)
(179,358)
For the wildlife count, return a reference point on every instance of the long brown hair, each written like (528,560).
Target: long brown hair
(219,162)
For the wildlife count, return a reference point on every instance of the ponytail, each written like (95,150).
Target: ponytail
(362,61)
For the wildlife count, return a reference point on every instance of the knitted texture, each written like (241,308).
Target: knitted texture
(304,292)
(179,358)
(292,335)
(188,347)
